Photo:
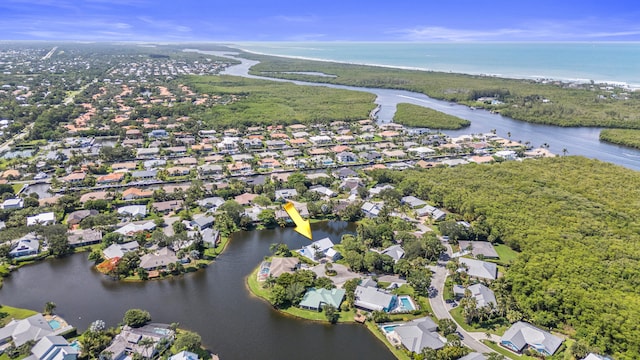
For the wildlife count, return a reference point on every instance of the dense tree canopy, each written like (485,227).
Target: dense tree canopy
(575,222)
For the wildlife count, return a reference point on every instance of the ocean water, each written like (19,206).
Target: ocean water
(614,63)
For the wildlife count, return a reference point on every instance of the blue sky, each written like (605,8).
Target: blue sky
(302,20)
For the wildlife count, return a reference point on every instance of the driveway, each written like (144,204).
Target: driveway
(344,274)
(440,308)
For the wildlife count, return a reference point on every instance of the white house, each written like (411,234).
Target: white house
(319,249)
(47,218)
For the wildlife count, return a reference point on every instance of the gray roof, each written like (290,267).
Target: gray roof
(286,193)
(203,221)
(32,328)
(474,356)
(484,296)
(118,250)
(413,201)
(80,237)
(522,334)
(480,269)
(483,248)
(54,347)
(419,334)
(133,210)
(158,259)
(211,202)
(373,299)
(395,251)
(25,246)
(144,174)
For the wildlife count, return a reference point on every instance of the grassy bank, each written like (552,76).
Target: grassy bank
(14,313)
(256,289)
(624,137)
(418,116)
(554,103)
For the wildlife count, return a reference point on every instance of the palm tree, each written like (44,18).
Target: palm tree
(565,151)
(49,307)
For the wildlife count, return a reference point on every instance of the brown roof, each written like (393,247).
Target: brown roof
(245,199)
(96,195)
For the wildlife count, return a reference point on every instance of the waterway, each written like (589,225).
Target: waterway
(576,140)
(214,302)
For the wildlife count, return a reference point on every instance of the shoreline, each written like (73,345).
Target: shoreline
(537,78)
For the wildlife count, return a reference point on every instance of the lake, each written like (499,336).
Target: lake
(214,302)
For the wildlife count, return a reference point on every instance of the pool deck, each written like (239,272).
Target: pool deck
(64,325)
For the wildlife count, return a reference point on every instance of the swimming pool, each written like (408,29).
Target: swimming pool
(388,328)
(76,345)
(55,324)
(406,304)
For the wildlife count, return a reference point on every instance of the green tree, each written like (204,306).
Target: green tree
(136,317)
(447,326)
(331,313)
(49,307)
(187,340)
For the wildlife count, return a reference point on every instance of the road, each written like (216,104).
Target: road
(6,146)
(440,308)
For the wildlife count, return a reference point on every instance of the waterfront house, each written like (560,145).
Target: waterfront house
(346,157)
(371,298)
(145,341)
(419,334)
(315,299)
(74,177)
(110,178)
(158,259)
(281,265)
(320,249)
(32,328)
(210,169)
(84,237)
(479,269)
(118,250)
(53,347)
(27,245)
(211,237)
(47,218)
(187,355)
(521,336)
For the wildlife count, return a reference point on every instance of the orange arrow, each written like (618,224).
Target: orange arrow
(302,226)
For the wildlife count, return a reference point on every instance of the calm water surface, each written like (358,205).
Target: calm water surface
(214,302)
(576,140)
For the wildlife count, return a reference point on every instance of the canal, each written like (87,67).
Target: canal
(576,140)
(213,302)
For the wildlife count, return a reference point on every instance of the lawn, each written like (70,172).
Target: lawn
(14,313)
(506,352)
(507,255)
(375,330)
(256,288)
(496,326)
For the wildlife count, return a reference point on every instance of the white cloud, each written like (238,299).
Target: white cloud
(543,30)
